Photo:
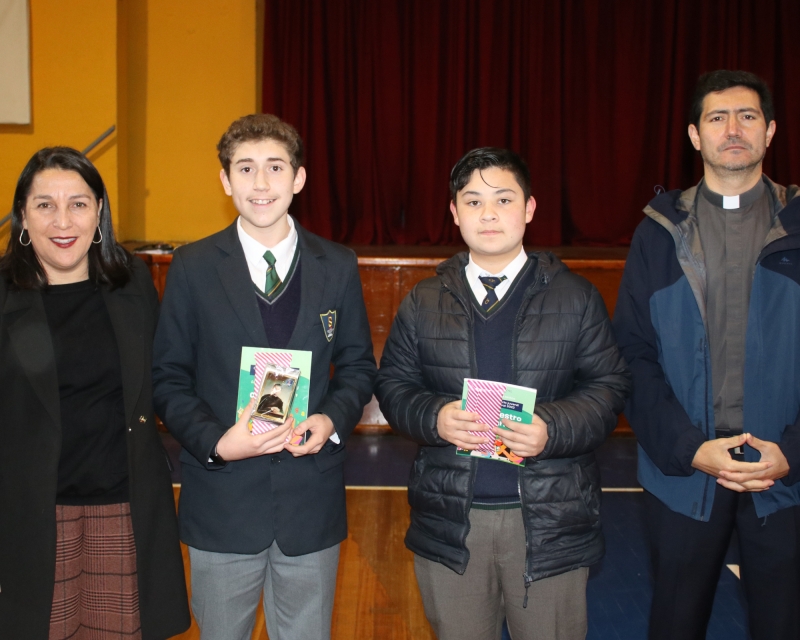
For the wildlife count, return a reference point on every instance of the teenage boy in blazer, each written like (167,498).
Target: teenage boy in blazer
(258,513)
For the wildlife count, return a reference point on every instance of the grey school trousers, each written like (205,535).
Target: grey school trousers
(472,606)
(298,593)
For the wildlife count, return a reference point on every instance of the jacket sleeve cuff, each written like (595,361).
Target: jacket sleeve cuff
(790,447)
(214,462)
(431,436)
(680,463)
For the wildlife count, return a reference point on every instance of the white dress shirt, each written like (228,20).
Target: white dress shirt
(254,254)
(474,272)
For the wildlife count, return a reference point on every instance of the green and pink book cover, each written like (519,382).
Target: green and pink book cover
(494,401)
(279,379)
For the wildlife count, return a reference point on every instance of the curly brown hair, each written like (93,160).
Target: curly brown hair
(256,127)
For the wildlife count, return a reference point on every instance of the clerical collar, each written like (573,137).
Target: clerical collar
(733,202)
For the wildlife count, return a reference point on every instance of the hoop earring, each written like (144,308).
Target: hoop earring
(21,233)
(101,237)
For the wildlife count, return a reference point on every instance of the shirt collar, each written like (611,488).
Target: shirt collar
(512,268)
(473,272)
(254,252)
(733,202)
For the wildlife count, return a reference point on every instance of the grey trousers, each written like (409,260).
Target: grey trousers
(472,606)
(298,593)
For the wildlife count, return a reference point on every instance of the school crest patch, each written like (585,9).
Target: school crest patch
(328,323)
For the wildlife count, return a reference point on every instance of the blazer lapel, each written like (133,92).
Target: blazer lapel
(30,337)
(125,308)
(313,278)
(238,286)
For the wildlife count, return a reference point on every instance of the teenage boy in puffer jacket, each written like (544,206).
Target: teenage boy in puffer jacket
(494,540)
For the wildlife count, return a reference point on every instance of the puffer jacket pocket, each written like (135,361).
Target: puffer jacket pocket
(417,469)
(587,478)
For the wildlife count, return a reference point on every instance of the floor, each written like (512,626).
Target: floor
(376,600)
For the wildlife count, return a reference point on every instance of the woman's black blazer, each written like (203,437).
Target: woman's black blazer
(30,443)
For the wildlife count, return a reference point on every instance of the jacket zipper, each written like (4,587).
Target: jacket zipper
(706,357)
(527,578)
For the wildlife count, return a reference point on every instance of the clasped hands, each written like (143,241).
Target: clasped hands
(714,459)
(238,443)
(455,424)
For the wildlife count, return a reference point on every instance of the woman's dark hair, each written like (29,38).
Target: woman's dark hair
(109,262)
(485,158)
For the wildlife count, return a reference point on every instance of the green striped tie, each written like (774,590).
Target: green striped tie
(272,281)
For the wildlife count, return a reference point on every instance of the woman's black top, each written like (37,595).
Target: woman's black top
(93,467)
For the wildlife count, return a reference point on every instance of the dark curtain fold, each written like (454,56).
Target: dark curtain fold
(594,95)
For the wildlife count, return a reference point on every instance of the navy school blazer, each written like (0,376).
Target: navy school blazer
(209,312)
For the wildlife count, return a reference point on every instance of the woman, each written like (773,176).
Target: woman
(88,535)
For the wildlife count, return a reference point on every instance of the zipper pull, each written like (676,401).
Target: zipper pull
(528,581)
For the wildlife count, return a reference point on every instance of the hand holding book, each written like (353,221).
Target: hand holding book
(458,427)
(525,440)
(317,429)
(238,443)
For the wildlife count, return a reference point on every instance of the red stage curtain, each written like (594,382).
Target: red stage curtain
(388,94)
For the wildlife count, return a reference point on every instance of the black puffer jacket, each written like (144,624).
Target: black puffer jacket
(564,348)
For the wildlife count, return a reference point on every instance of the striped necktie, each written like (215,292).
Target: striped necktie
(272,281)
(489,283)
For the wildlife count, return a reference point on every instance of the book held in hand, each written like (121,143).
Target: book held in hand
(494,401)
(279,381)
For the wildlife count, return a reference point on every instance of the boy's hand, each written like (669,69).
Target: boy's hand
(525,440)
(454,425)
(238,443)
(321,428)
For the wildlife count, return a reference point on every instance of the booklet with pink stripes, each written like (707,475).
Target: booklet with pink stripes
(494,401)
(279,380)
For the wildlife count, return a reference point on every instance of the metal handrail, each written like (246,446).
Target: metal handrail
(97,141)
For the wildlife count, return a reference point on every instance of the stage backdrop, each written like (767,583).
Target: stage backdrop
(594,94)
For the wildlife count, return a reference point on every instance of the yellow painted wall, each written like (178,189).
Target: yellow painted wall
(171,74)
(200,76)
(131,121)
(74,87)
